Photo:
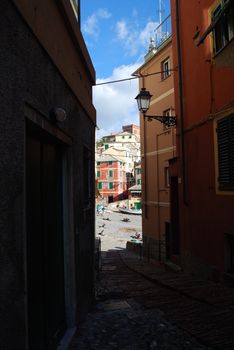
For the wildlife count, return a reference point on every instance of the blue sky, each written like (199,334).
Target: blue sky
(117,35)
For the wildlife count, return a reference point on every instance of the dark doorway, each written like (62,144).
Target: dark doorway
(168,239)
(110,199)
(45,257)
(175,227)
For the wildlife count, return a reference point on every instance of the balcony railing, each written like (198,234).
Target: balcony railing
(163,31)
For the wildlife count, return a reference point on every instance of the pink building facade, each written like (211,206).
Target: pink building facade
(111,178)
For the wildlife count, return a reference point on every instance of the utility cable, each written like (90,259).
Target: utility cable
(135,77)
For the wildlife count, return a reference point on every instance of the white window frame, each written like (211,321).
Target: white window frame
(166,66)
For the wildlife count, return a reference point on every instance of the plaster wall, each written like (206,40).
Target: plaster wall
(207,95)
(157,146)
(29,78)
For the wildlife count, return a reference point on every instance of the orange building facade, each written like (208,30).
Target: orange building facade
(157,147)
(202,174)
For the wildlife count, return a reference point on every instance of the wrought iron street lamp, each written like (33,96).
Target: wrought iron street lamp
(143,102)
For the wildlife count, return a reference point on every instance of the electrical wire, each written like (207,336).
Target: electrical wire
(135,77)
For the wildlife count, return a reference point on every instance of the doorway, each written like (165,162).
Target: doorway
(45,247)
(110,199)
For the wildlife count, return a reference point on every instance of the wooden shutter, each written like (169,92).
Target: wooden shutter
(225,131)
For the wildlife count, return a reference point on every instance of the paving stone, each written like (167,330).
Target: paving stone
(120,319)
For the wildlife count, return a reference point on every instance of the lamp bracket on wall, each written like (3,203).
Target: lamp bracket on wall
(166,120)
(143,102)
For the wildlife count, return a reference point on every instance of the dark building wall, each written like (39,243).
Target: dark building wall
(30,81)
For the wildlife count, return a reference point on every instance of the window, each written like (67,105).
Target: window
(98,173)
(110,173)
(166,177)
(165,67)
(98,163)
(111,185)
(223,31)
(110,163)
(225,139)
(138,181)
(106,146)
(99,185)
(138,171)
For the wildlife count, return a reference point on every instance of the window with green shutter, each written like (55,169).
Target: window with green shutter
(99,185)
(98,173)
(225,137)
(111,173)
(110,163)
(98,163)
(111,185)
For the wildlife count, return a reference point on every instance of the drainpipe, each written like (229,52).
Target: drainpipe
(181,104)
(158,195)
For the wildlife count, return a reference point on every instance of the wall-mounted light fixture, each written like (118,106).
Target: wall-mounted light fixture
(143,102)
(58,114)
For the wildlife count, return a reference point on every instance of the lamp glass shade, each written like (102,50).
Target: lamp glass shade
(143,100)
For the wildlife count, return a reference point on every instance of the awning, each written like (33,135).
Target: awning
(214,22)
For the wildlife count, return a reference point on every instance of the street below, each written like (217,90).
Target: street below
(144,306)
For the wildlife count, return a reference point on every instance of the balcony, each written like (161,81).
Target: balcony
(163,32)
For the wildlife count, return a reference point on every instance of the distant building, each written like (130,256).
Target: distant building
(126,147)
(134,196)
(137,171)
(111,178)
(47,174)
(132,129)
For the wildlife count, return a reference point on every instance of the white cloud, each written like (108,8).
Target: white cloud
(134,39)
(122,31)
(115,103)
(91,25)
(103,13)
(147,33)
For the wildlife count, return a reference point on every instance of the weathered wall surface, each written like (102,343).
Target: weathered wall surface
(29,77)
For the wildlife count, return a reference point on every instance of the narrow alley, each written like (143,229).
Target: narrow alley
(143,306)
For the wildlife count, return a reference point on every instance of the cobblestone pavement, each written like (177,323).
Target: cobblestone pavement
(122,321)
(122,318)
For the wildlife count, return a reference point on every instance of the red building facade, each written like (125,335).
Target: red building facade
(202,174)
(111,178)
